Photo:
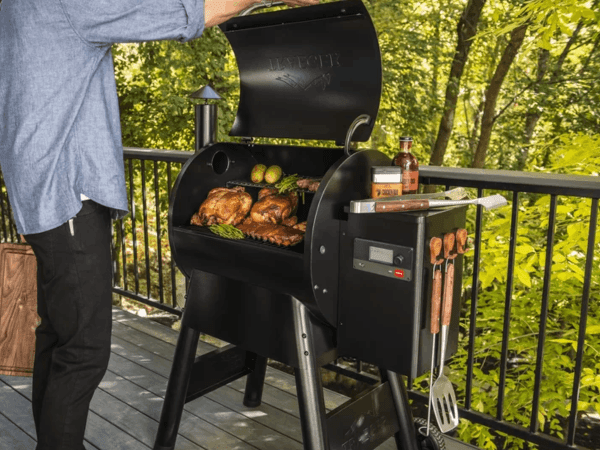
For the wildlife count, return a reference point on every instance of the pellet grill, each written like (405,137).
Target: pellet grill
(357,286)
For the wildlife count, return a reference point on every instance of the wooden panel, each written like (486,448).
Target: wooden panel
(18,309)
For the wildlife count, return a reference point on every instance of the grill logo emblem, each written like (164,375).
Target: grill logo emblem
(303,68)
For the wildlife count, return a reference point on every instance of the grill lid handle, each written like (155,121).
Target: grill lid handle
(363,119)
(263,4)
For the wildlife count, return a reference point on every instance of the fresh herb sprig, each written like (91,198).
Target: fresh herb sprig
(288,184)
(227,231)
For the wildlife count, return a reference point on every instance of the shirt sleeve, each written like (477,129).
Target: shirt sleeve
(106,22)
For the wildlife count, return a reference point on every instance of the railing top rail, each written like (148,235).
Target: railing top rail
(542,183)
(177,156)
(533,182)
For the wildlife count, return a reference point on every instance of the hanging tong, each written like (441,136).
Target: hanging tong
(435,250)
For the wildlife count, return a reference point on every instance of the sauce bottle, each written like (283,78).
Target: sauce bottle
(409,165)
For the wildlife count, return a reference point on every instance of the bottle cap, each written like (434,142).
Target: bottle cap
(406,139)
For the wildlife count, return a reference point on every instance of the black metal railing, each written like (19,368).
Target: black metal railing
(144,271)
(518,184)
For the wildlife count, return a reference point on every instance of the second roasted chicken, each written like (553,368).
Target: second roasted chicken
(274,208)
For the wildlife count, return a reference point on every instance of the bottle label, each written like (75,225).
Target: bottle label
(410,181)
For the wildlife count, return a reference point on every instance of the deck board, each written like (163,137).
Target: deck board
(13,437)
(126,408)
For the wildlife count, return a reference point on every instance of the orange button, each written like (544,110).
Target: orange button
(399,273)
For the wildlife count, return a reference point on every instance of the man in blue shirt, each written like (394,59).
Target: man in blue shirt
(61,157)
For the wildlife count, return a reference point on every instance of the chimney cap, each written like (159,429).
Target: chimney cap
(206,93)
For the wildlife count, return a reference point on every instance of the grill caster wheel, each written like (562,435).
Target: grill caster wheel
(435,440)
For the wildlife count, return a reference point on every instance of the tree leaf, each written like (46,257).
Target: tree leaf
(523,276)
(594,329)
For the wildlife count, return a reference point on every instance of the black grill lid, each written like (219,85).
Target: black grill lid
(306,73)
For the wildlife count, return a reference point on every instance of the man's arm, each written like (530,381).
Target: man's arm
(106,22)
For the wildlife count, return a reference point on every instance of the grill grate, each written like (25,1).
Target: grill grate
(204,230)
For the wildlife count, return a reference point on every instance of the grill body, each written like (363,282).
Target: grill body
(292,271)
(306,73)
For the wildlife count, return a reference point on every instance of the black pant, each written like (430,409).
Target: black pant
(73,339)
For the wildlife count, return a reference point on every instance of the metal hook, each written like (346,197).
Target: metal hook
(363,119)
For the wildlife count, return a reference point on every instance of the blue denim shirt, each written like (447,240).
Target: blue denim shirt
(60,134)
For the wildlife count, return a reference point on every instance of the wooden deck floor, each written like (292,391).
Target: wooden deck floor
(126,408)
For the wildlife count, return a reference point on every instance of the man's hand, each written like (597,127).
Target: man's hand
(219,11)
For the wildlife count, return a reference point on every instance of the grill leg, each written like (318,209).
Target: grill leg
(406,438)
(308,383)
(177,387)
(255,383)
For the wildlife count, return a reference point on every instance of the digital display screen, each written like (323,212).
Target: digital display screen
(381,255)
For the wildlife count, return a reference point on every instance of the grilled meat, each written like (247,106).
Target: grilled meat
(273,207)
(276,234)
(290,221)
(300,226)
(223,206)
(311,184)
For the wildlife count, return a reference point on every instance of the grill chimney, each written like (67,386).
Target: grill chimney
(206,117)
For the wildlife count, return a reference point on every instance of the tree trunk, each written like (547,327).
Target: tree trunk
(534,115)
(476,121)
(467,28)
(493,91)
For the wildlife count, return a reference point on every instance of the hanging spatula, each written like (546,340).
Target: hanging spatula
(374,206)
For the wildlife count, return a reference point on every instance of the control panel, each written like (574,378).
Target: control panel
(394,261)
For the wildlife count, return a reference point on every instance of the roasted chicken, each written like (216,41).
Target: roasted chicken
(223,206)
(273,207)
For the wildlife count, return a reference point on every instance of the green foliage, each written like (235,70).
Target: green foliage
(549,18)
(155,80)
